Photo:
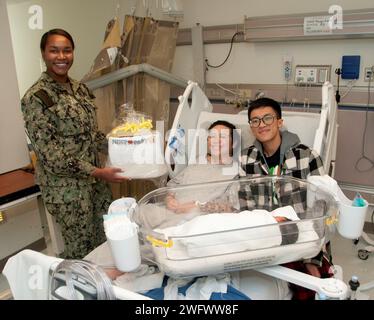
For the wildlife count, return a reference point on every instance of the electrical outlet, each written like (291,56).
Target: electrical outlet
(306,75)
(313,75)
(369,74)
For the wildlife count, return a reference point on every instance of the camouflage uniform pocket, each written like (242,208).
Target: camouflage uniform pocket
(63,195)
(64,201)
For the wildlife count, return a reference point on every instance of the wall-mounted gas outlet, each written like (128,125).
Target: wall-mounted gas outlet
(369,74)
(236,101)
(245,93)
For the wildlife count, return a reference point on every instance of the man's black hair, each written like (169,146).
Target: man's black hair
(60,32)
(264,102)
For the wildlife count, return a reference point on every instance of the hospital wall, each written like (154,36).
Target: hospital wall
(261,64)
(86,20)
(12,136)
(257,64)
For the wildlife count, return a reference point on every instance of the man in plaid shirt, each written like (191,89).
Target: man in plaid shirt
(277,152)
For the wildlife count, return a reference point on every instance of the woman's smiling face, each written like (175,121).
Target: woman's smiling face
(220,141)
(58,56)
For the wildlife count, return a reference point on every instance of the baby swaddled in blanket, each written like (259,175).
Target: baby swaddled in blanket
(229,199)
(225,233)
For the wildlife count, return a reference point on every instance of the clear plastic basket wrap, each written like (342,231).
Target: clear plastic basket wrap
(231,225)
(134,147)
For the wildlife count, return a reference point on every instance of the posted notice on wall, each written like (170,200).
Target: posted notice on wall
(317,25)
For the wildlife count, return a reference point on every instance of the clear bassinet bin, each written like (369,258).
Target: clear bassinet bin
(211,228)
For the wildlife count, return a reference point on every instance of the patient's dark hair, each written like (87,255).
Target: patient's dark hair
(265,102)
(229,126)
(59,32)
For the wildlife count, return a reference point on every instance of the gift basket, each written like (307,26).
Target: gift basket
(135,147)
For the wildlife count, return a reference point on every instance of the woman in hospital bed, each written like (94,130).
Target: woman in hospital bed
(219,164)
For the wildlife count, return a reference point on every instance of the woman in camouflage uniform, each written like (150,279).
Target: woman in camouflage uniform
(60,119)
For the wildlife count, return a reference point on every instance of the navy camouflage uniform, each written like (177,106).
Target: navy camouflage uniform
(62,126)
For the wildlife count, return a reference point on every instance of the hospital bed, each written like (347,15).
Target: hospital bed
(183,253)
(195,113)
(188,255)
(317,130)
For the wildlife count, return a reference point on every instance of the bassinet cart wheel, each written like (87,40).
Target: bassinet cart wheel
(355,241)
(363,254)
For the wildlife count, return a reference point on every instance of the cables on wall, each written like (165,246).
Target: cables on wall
(350,85)
(229,54)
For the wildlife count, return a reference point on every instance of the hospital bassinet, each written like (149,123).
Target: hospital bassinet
(197,243)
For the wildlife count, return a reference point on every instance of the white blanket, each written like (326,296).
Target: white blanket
(223,233)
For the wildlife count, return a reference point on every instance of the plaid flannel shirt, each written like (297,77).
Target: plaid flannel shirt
(299,162)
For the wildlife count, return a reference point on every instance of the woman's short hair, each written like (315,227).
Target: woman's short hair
(60,32)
